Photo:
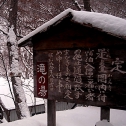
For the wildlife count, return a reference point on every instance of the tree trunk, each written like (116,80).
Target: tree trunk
(87,6)
(20,99)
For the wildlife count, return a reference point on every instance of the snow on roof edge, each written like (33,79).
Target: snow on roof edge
(108,23)
(112,25)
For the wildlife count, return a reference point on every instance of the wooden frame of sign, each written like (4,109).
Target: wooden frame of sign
(84,65)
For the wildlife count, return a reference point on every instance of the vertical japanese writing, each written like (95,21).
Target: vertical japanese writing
(67,79)
(103,78)
(67,60)
(42,79)
(77,73)
(60,85)
(59,58)
(51,68)
(103,54)
(59,74)
(89,71)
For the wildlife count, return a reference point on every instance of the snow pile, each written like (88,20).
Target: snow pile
(105,22)
(80,116)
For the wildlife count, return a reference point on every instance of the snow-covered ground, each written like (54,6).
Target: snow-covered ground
(80,116)
(6,97)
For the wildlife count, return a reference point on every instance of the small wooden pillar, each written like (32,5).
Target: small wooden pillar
(104,116)
(105,113)
(51,113)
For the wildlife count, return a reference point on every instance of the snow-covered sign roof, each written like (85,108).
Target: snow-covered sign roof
(104,22)
(6,97)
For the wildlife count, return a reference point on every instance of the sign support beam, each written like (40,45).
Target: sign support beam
(51,113)
(105,113)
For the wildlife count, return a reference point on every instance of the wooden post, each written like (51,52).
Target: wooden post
(105,113)
(51,113)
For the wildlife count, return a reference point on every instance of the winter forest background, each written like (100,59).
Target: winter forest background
(20,17)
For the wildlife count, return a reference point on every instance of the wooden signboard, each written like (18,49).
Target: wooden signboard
(80,63)
(90,76)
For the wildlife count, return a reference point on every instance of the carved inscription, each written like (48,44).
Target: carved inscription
(86,75)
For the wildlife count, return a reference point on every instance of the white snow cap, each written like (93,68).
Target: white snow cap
(107,23)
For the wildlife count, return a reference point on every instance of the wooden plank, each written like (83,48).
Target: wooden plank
(51,113)
(89,79)
(105,113)
(84,67)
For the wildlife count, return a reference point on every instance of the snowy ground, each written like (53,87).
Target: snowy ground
(6,97)
(81,116)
